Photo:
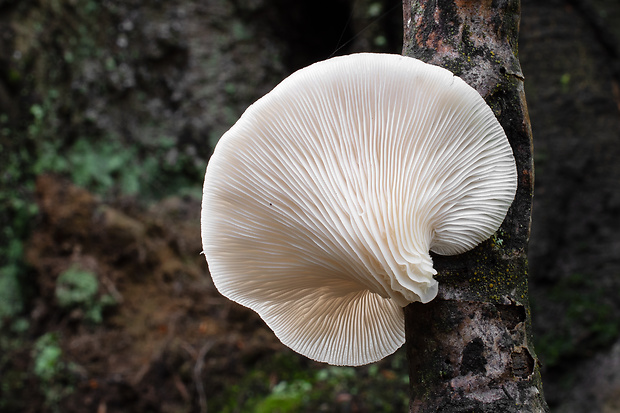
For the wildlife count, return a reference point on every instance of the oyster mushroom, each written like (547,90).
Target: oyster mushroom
(322,202)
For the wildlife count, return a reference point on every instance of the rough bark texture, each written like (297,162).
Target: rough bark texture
(471,349)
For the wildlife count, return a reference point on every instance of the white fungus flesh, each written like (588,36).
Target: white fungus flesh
(322,202)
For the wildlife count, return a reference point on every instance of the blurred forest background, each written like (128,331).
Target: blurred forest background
(109,111)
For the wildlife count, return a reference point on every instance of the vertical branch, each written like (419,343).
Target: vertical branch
(471,348)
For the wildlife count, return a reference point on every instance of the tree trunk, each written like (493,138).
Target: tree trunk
(470,350)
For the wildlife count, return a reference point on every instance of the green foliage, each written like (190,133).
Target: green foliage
(77,288)
(47,357)
(16,217)
(11,291)
(107,166)
(285,397)
(99,165)
(53,373)
(96,165)
(565,82)
(309,387)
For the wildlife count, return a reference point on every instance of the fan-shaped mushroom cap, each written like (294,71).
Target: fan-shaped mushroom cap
(322,202)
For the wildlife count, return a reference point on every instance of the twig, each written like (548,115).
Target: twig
(202,397)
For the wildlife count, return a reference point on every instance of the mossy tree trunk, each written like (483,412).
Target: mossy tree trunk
(470,350)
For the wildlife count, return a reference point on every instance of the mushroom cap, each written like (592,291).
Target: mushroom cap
(322,202)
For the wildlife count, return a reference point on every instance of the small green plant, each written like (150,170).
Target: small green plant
(78,288)
(565,82)
(53,373)
(285,397)
(47,357)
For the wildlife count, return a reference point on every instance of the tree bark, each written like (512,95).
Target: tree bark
(470,350)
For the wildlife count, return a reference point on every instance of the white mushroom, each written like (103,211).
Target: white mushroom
(322,202)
